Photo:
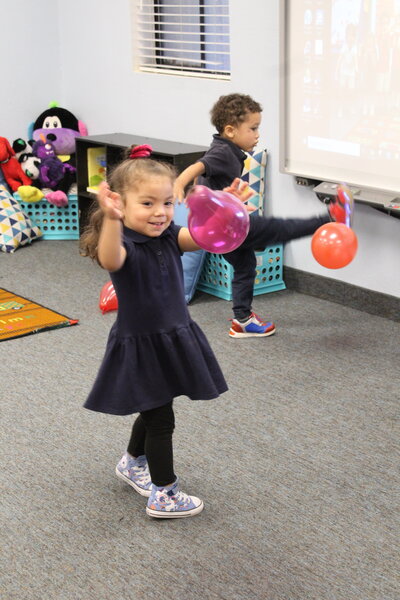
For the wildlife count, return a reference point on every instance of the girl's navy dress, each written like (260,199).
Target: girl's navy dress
(155,351)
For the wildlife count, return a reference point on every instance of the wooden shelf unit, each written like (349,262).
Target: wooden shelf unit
(179,154)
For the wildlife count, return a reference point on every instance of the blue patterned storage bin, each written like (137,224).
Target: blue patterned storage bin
(216,276)
(56,223)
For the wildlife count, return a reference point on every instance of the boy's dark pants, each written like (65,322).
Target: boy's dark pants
(263,232)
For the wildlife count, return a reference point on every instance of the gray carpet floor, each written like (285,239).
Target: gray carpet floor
(298,463)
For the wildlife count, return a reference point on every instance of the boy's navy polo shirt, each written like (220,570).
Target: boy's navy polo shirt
(223,161)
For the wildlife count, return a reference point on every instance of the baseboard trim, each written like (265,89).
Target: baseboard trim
(356,297)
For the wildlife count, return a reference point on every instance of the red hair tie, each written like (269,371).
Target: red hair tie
(140,151)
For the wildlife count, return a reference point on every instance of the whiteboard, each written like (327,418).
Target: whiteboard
(340,91)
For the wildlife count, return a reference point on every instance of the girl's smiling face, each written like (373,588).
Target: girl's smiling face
(149,208)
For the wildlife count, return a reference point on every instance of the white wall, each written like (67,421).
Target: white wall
(98,84)
(30,63)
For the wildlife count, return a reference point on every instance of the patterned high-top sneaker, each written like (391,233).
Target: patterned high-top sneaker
(135,471)
(170,503)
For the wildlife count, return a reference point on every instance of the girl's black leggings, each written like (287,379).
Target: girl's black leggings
(152,435)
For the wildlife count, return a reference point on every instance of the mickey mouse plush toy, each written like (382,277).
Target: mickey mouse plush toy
(65,127)
(59,127)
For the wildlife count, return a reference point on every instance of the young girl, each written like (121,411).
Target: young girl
(155,351)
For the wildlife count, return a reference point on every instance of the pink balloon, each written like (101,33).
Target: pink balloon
(218,221)
(108,298)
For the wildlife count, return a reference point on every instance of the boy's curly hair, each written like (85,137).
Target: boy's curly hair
(232,110)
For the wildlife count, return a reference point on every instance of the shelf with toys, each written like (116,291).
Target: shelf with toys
(95,155)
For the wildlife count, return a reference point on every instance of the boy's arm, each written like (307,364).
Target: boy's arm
(186,177)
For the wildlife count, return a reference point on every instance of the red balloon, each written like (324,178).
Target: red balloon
(218,221)
(334,245)
(108,298)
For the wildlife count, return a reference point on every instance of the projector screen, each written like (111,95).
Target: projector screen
(341,91)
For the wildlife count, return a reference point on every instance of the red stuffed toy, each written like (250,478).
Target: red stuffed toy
(12,170)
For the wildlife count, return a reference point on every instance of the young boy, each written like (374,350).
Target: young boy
(237,119)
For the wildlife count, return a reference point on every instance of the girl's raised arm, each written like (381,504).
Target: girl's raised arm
(186,242)
(111,252)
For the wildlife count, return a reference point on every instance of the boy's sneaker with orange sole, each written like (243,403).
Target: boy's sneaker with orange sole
(253,327)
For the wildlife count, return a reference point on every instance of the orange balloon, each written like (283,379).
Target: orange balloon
(108,298)
(334,245)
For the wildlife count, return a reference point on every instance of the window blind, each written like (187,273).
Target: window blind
(186,37)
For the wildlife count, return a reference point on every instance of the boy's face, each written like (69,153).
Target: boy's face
(246,134)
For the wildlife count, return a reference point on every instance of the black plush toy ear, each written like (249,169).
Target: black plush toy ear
(19,145)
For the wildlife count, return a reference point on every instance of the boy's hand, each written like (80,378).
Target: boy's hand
(242,191)
(188,175)
(109,202)
(179,191)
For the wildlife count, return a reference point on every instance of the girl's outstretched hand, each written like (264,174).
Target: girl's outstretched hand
(242,191)
(109,202)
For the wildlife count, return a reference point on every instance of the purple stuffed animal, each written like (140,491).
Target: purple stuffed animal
(53,173)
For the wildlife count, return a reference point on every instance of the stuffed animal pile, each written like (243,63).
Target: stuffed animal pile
(47,159)
(29,162)
(11,169)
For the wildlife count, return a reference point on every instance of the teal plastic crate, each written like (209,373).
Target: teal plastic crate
(216,276)
(56,223)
